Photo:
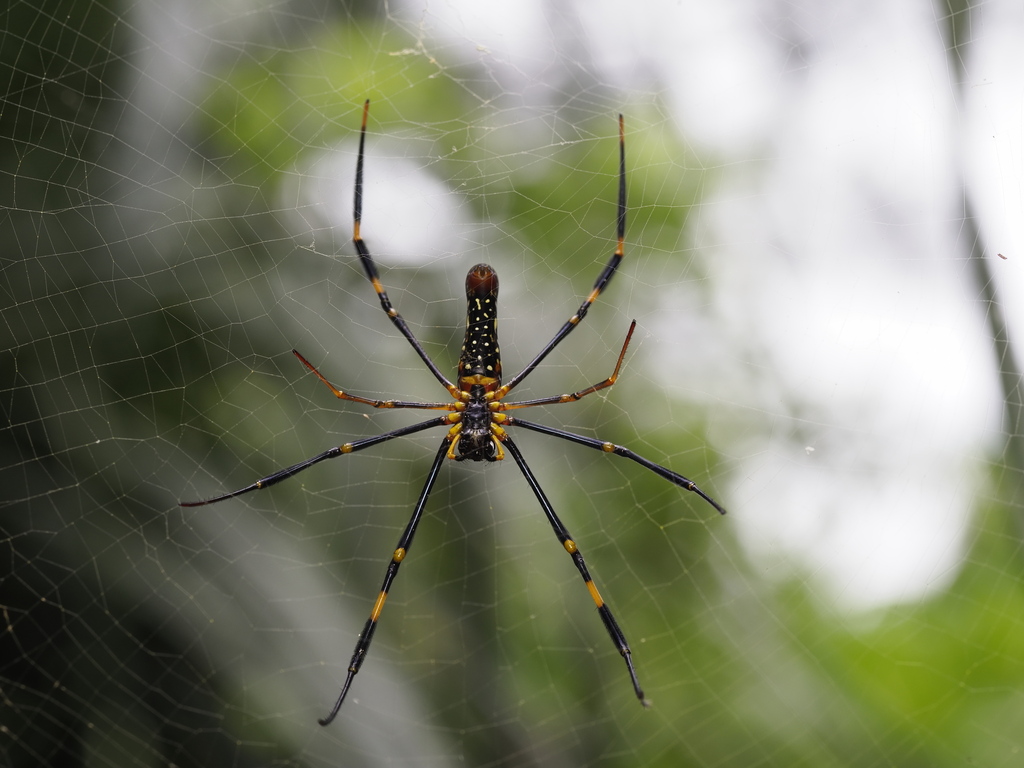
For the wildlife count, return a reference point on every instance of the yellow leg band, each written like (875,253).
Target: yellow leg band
(378,606)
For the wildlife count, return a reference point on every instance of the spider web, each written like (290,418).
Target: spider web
(824,260)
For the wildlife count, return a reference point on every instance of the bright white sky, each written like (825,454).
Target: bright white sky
(838,275)
(839,349)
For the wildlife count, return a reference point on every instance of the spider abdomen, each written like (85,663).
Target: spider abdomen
(480,361)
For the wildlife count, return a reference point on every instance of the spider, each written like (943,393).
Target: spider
(477,417)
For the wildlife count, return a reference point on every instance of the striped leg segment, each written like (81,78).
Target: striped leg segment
(342,395)
(673,477)
(583,392)
(618,638)
(370,267)
(599,285)
(330,453)
(366,636)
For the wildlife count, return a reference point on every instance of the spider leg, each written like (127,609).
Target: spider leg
(599,285)
(330,453)
(341,395)
(370,267)
(673,477)
(583,392)
(618,638)
(366,636)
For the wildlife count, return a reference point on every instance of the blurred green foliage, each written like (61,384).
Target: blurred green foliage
(146,340)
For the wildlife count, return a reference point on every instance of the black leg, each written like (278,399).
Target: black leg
(330,453)
(673,477)
(562,533)
(599,285)
(572,398)
(366,636)
(371,268)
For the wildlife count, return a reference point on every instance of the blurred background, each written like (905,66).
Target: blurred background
(825,259)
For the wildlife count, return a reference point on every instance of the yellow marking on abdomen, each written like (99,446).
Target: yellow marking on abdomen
(489,383)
